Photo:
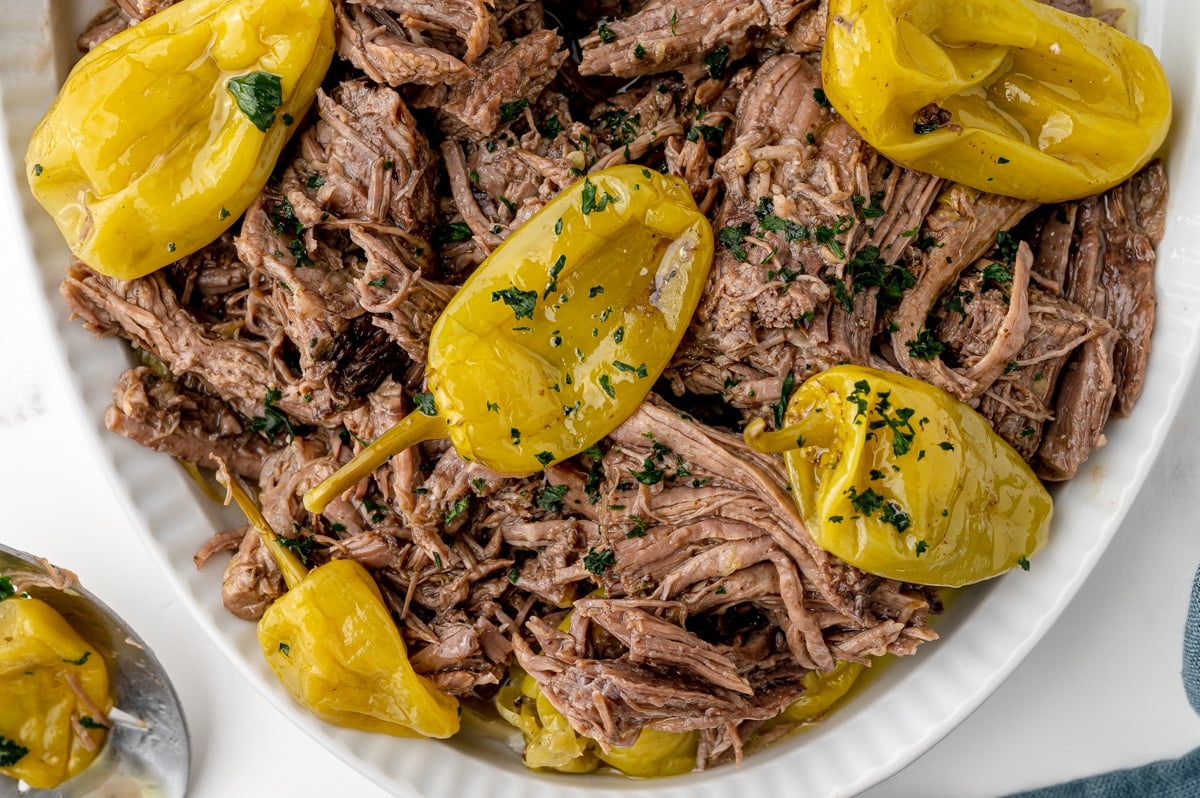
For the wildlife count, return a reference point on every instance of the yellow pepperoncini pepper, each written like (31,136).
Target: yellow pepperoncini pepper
(332,643)
(163,134)
(559,335)
(1012,97)
(821,692)
(900,479)
(551,743)
(45,668)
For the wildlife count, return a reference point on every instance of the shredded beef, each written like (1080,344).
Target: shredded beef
(664,578)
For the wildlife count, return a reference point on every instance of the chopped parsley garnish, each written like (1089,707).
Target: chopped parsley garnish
(425,403)
(457,509)
(545,458)
(285,649)
(619,334)
(451,233)
(558,227)
(767,220)
(1006,246)
(650,473)
(595,291)
(866,503)
(555,270)
(378,282)
(375,508)
(258,95)
(272,421)
(639,527)
(550,498)
(859,397)
(674,20)
(514,575)
(640,370)
(301,546)
(900,422)
(958,302)
(892,514)
(713,134)
(88,722)
(479,483)
(606,34)
(597,562)
(79,660)
(37,170)
(595,475)
(6,588)
(716,60)
(521,302)
(223,215)
(492,406)
(868,269)
(589,203)
(314,181)
(841,293)
(997,273)
(920,547)
(946,446)
(11,752)
(510,111)
(515,434)
(300,253)
(779,408)
(1023,562)
(607,385)
(925,347)
(872,211)
(821,99)
(639,52)
(825,235)
(734,238)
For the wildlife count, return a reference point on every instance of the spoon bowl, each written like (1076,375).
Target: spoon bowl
(147,752)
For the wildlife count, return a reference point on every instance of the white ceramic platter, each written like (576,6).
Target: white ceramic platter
(897,715)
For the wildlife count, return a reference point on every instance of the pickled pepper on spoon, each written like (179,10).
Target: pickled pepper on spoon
(561,332)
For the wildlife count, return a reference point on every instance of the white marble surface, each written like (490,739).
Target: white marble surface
(1101,691)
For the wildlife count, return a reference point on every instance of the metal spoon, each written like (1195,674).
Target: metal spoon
(147,752)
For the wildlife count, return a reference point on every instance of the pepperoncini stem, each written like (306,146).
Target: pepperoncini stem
(289,564)
(775,442)
(412,429)
(809,437)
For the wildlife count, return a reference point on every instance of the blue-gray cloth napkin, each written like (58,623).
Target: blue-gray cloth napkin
(1170,778)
